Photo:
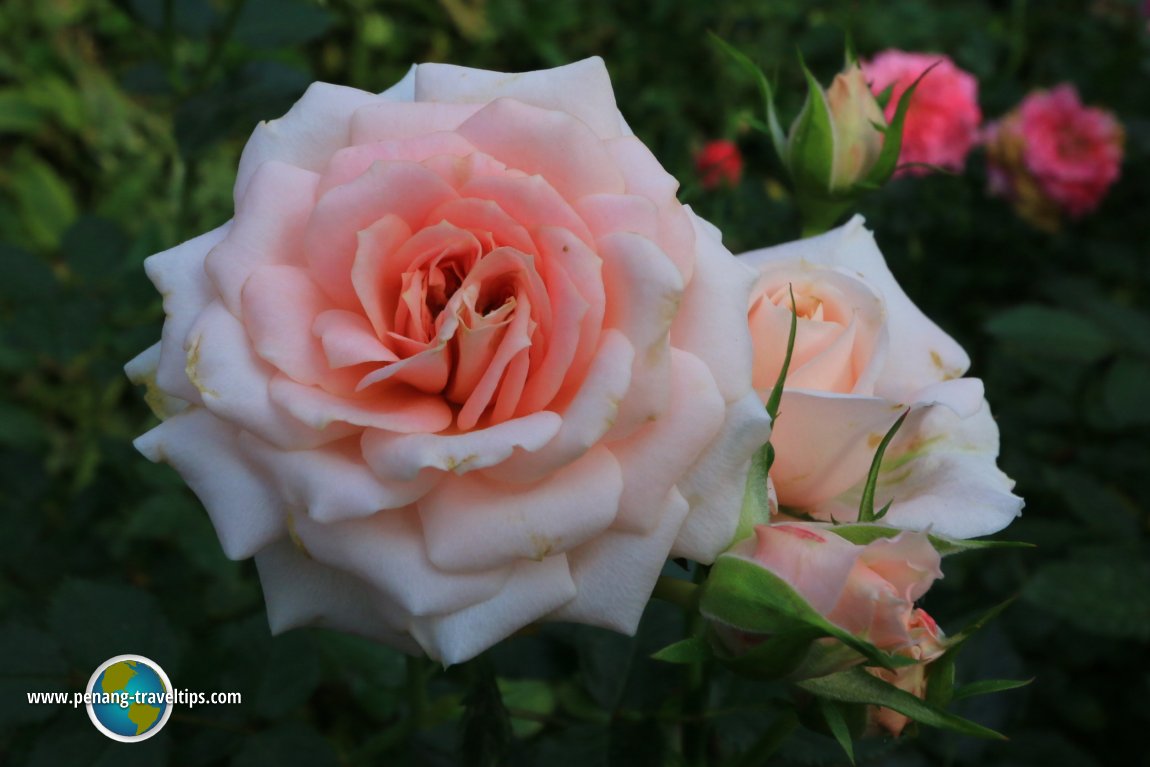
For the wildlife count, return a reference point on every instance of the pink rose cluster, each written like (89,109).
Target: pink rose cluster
(1054,157)
(942,122)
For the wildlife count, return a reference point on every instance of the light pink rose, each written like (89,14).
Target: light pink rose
(868,590)
(460,362)
(864,353)
(1052,156)
(927,644)
(943,120)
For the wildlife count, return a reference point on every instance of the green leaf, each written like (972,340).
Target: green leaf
(1107,597)
(866,506)
(1054,333)
(280,23)
(837,724)
(30,661)
(527,696)
(690,650)
(18,113)
(290,675)
(863,534)
(988,686)
(748,597)
(774,130)
(46,205)
(856,685)
(1124,391)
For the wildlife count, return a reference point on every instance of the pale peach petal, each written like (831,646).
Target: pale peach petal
(374,275)
(516,340)
(332,483)
(406,457)
(560,249)
(314,128)
(706,323)
(533,590)
(606,213)
(355,160)
(525,138)
(179,276)
(907,561)
(141,370)
(386,550)
(268,229)
(530,200)
(234,383)
(243,502)
(485,217)
(301,592)
(590,414)
(349,339)
(581,89)
(814,562)
(426,371)
(616,572)
(472,522)
(398,120)
(406,190)
(657,456)
(396,408)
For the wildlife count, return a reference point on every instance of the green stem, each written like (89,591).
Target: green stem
(696,728)
(678,592)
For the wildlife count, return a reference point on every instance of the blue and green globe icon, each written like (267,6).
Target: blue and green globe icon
(130,698)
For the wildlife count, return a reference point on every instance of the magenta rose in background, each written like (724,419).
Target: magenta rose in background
(864,354)
(460,362)
(943,120)
(1053,157)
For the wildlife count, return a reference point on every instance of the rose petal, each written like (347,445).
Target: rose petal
(349,339)
(616,572)
(333,483)
(404,121)
(386,550)
(395,408)
(179,276)
(533,590)
(302,592)
(530,200)
(244,504)
(581,89)
(141,370)
(306,137)
(473,522)
(403,457)
(355,160)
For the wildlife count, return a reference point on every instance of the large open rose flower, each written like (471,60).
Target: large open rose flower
(460,362)
(863,354)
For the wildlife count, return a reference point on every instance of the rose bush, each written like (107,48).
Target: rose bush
(863,354)
(460,362)
(943,120)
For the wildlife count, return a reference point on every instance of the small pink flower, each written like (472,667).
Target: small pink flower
(719,163)
(1052,156)
(927,644)
(943,119)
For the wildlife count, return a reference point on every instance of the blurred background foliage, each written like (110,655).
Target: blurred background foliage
(121,122)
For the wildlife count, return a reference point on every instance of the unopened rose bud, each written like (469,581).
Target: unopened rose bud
(857,120)
(928,643)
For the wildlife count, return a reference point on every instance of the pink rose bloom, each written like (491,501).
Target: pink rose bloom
(460,362)
(943,120)
(927,644)
(1052,156)
(719,163)
(868,590)
(864,354)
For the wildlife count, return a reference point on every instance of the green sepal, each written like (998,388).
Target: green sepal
(837,724)
(887,161)
(776,657)
(756,508)
(691,650)
(858,686)
(866,505)
(940,672)
(988,686)
(748,597)
(776,395)
(863,534)
(773,128)
(811,149)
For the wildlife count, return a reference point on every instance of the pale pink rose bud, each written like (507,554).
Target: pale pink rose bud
(868,590)
(928,643)
(943,119)
(1053,157)
(856,119)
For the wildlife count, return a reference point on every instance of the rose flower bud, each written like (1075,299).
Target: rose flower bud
(943,119)
(863,355)
(927,644)
(460,362)
(1053,157)
(866,590)
(857,120)
(719,163)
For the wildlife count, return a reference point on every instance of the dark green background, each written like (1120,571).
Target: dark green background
(121,122)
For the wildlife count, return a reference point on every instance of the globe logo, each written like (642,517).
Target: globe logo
(129,698)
